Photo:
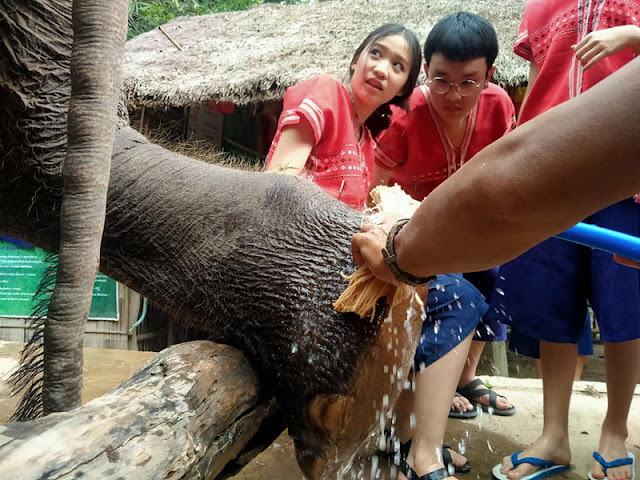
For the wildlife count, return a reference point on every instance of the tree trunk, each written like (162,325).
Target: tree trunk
(185,414)
(100,30)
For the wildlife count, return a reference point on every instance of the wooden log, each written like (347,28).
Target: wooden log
(185,414)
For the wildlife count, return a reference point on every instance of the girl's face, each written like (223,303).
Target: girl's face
(381,71)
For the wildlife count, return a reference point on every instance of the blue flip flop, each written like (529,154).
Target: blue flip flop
(630,460)
(547,468)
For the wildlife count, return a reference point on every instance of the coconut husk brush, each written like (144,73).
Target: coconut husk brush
(364,289)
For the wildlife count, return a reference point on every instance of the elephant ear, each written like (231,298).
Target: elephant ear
(330,413)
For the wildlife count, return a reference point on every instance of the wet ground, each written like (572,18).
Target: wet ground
(485,440)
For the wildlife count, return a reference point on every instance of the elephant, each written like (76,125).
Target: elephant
(252,258)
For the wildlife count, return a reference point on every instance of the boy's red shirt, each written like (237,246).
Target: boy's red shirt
(419,153)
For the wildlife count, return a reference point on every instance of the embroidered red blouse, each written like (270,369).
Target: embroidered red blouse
(547,31)
(338,163)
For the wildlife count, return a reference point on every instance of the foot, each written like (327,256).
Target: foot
(611,447)
(501,402)
(461,404)
(430,463)
(554,451)
(457,459)
(423,471)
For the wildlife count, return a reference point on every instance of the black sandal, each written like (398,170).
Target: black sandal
(447,458)
(410,473)
(469,391)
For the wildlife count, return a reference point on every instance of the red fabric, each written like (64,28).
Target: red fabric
(547,31)
(420,155)
(338,163)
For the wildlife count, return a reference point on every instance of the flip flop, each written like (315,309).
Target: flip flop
(630,460)
(547,468)
(471,392)
(466,414)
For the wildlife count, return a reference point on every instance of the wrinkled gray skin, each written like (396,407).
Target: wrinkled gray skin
(252,258)
(99,34)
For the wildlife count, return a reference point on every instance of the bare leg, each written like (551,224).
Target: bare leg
(435,385)
(579,367)
(538,364)
(469,374)
(622,363)
(558,362)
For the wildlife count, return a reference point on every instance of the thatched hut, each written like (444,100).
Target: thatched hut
(249,58)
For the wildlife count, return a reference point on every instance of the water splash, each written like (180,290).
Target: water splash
(462,446)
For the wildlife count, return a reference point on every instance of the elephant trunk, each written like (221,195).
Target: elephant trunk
(98,47)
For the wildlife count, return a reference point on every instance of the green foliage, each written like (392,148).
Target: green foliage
(147,15)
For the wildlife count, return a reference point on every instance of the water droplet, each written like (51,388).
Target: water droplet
(500,291)
(462,446)
(294,347)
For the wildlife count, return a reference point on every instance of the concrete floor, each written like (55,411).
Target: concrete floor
(485,440)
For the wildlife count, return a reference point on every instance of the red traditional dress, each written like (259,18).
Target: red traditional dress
(338,162)
(547,32)
(546,289)
(418,151)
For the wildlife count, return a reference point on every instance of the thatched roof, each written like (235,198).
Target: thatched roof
(254,55)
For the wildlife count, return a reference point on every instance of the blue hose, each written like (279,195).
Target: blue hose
(603,239)
(142,315)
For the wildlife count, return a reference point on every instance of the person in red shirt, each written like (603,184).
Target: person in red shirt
(451,118)
(573,46)
(326,130)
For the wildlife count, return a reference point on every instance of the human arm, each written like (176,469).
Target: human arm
(381,176)
(534,182)
(293,149)
(533,74)
(626,261)
(602,43)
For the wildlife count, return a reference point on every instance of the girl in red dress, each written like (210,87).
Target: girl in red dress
(326,129)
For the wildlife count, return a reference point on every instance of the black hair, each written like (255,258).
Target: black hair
(379,120)
(462,36)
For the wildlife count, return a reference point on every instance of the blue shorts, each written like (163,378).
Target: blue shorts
(530,347)
(546,289)
(453,309)
(489,329)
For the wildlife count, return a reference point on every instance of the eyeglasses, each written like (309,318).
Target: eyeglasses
(441,86)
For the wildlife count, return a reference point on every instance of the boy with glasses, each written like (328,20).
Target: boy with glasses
(455,115)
